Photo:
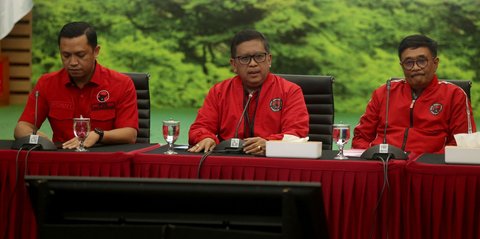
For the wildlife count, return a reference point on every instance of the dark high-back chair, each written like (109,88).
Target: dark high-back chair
(140,80)
(466,85)
(318,93)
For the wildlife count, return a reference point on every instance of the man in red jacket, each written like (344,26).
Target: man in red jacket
(277,106)
(424,113)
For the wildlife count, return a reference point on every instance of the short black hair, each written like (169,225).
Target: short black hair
(416,41)
(247,35)
(76,29)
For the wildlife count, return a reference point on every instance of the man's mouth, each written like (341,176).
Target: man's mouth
(253,72)
(417,74)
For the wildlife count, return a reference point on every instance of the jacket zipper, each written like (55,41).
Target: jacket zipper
(405,136)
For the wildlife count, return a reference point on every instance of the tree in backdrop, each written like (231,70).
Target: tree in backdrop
(184,44)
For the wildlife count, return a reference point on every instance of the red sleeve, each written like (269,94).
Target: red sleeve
(127,109)
(207,121)
(366,130)
(460,109)
(295,119)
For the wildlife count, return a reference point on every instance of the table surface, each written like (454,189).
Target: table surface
(16,214)
(424,193)
(351,188)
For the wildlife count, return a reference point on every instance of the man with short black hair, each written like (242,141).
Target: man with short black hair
(277,106)
(83,88)
(424,113)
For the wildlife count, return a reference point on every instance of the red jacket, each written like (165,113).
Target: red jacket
(278,108)
(424,125)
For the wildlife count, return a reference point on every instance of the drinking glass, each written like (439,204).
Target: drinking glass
(171,130)
(81,128)
(341,135)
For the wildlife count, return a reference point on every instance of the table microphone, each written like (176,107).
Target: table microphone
(385,150)
(234,145)
(31,141)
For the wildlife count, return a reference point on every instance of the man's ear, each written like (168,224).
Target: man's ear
(96,51)
(233,64)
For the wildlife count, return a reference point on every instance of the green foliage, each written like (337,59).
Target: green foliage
(184,44)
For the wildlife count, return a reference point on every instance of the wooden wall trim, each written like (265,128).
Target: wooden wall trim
(17,46)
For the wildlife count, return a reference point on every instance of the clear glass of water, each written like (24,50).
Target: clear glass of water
(81,128)
(171,130)
(341,135)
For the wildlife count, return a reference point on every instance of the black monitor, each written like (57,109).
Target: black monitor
(92,207)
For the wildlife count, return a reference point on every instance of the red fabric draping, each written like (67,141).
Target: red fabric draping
(442,201)
(424,200)
(16,214)
(351,188)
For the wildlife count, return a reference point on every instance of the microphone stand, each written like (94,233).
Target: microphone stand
(385,151)
(234,145)
(34,141)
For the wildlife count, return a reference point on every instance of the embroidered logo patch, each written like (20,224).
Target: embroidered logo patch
(436,108)
(103,96)
(276,104)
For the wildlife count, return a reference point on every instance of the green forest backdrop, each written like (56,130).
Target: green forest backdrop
(184,45)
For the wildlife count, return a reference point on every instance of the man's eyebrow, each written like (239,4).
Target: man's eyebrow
(76,52)
(417,57)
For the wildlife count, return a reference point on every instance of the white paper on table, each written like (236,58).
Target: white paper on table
(353,152)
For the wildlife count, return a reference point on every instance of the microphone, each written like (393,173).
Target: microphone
(384,150)
(234,145)
(34,141)
(35,129)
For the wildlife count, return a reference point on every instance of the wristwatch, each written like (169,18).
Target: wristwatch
(100,133)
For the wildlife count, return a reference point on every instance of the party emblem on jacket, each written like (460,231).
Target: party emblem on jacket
(103,96)
(436,108)
(276,104)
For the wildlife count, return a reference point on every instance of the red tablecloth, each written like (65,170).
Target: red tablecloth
(427,198)
(443,200)
(16,214)
(351,188)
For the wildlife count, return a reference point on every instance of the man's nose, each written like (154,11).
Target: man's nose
(253,62)
(73,60)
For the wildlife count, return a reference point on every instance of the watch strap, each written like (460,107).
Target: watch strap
(100,133)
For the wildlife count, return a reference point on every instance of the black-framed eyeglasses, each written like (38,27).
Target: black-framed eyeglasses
(259,57)
(421,62)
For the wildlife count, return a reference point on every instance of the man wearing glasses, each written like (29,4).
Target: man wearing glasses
(424,113)
(276,106)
